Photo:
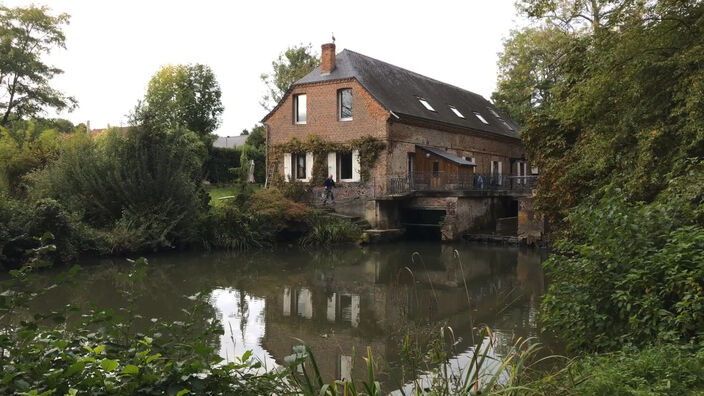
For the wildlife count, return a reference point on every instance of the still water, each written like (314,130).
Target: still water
(338,300)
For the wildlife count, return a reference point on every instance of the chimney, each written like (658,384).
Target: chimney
(327,59)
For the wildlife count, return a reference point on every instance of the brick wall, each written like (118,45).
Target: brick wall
(484,149)
(369,118)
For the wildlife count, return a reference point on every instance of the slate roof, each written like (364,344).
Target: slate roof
(229,141)
(448,156)
(398,89)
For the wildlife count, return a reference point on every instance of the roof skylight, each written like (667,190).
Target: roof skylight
(482,119)
(494,113)
(457,112)
(425,104)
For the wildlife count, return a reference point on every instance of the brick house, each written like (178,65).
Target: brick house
(436,135)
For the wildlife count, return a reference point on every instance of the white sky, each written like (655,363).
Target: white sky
(114,47)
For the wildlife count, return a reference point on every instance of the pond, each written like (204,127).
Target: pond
(338,300)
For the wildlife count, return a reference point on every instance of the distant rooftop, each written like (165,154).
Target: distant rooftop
(229,141)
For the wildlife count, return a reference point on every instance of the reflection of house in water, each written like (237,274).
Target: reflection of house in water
(339,311)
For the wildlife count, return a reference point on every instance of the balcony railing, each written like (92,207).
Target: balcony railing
(445,181)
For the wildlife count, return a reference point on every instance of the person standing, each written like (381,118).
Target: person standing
(329,184)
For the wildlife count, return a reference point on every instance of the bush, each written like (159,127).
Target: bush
(626,273)
(96,352)
(657,370)
(221,161)
(142,189)
(326,230)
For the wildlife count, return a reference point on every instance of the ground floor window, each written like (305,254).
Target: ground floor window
(522,172)
(436,169)
(344,166)
(299,166)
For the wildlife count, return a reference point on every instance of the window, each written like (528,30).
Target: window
(344,104)
(496,178)
(482,119)
(299,166)
(299,109)
(436,169)
(494,113)
(509,127)
(457,112)
(470,159)
(344,166)
(425,104)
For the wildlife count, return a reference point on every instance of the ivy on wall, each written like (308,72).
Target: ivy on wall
(369,149)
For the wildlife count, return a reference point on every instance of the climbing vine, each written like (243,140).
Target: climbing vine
(369,149)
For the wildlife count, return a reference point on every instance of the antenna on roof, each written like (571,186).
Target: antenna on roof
(333,37)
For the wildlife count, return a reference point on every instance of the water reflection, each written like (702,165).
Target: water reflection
(342,300)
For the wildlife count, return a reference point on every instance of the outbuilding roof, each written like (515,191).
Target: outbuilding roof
(399,91)
(448,156)
(229,141)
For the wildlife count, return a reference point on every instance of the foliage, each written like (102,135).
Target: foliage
(291,65)
(101,352)
(230,227)
(26,36)
(369,149)
(624,99)
(656,370)
(23,151)
(486,373)
(181,96)
(254,149)
(326,230)
(145,186)
(221,161)
(626,273)
(21,223)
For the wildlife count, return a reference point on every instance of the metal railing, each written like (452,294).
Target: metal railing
(448,181)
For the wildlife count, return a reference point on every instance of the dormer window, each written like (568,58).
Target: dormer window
(299,109)
(457,112)
(481,118)
(344,104)
(425,104)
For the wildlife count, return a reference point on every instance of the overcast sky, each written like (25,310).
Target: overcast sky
(114,47)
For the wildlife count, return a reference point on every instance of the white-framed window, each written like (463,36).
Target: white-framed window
(425,103)
(344,166)
(481,118)
(344,104)
(298,166)
(457,112)
(300,110)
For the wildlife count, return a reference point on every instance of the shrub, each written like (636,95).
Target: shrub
(275,208)
(656,370)
(145,186)
(220,162)
(326,230)
(229,227)
(626,273)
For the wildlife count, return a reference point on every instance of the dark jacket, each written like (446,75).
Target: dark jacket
(329,183)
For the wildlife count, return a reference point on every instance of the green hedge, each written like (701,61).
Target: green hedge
(219,163)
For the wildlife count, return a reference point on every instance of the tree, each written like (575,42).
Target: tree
(578,14)
(289,67)
(26,34)
(529,67)
(254,148)
(181,96)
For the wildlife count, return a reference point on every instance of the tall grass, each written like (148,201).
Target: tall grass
(479,371)
(324,230)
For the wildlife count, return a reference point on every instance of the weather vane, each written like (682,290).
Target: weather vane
(333,37)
